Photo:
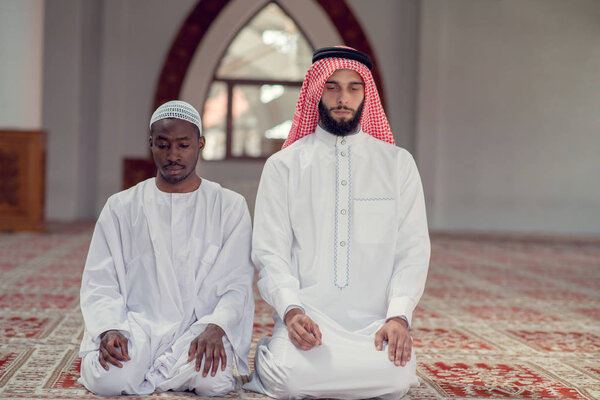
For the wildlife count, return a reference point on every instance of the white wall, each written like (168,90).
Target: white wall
(509,119)
(392,30)
(503,96)
(72,65)
(21,49)
(137,37)
(62,107)
(101,66)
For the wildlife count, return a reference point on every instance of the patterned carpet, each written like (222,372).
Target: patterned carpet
(503,317)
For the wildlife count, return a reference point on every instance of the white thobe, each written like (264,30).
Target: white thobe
(340,230)
(161,266)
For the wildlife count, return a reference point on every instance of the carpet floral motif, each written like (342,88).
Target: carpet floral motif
(502,317)
(492,380)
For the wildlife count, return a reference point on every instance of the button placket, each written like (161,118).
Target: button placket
(342,234)
(179,248)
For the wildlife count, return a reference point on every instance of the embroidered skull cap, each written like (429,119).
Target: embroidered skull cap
(180,110)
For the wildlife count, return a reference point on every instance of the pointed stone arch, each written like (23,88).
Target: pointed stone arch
(202,16)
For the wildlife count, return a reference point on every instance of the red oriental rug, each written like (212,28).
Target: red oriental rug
(502,317)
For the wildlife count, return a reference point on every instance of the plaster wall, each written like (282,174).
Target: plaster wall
(508,120)
(62,107)
(136,39)
(21,52)
(392,29)
(497,100)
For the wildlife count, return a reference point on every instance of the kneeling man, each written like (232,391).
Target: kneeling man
(341,244)
(166,291)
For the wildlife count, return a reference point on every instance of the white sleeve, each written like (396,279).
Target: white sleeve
(411,260)
(230,281)
(272,240)
(102,300)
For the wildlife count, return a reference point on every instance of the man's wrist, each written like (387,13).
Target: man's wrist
(401,320)
(216,328)
(291,314)
(107,331)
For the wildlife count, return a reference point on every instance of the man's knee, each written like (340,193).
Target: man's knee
(288,388)
(215,386)
(286,372)
(220,384)
(115,381)
(403,378)
(282,379)
(284,386)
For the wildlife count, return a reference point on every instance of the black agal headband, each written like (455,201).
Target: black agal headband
(342,52)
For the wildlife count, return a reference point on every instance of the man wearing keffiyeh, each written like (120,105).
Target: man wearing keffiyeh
(341,244)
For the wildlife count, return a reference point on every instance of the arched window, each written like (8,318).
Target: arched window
(250,105)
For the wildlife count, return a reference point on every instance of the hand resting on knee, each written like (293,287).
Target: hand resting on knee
(113,348)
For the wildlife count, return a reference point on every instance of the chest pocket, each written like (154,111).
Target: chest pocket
(374,220)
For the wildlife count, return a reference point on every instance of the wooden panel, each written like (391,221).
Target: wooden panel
(136,170)
(22,180)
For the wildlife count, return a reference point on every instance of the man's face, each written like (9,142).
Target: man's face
(341,104)
(175,148)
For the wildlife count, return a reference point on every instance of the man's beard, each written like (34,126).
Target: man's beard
(174,179)
(339,128)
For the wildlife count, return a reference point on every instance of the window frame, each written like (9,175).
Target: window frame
(232,82)
(230,85)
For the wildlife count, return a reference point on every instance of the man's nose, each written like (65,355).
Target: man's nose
(343,97)
(172,154)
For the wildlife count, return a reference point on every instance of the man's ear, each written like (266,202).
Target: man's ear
(201,142)
(150,140)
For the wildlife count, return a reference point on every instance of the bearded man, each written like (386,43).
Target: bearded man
(166,291)
(341,244)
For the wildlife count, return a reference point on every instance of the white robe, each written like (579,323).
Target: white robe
(340,230)
(161,266)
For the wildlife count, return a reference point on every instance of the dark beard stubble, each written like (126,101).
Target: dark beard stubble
(339,128)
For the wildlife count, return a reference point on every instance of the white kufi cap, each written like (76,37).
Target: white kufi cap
(177,109)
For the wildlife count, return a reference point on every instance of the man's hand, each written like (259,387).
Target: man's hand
(210,345)
(395,332)
(302,330)
(113,348)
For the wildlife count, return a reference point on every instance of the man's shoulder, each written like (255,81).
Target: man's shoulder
(226,196)
(292,152)
(121,205)
(388,148)
(129,195)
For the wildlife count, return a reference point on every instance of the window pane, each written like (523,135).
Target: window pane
(262,117)
(213,122)
(269,47)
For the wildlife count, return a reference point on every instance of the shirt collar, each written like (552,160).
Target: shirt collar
(332,139)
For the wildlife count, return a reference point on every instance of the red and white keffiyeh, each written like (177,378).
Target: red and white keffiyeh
(373,120)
